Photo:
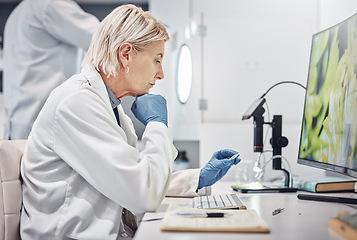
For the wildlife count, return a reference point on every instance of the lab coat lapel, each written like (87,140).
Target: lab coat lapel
(96,82)
(127,126)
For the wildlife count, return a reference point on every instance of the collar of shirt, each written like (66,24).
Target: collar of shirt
(113,99)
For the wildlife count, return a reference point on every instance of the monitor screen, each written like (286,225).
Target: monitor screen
(328,138)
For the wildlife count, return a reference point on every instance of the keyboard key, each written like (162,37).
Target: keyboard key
(218,201)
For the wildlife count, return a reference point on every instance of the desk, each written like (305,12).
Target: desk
(301,219)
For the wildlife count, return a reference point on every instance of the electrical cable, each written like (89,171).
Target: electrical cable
(258,175)
(257,163)
(282,82)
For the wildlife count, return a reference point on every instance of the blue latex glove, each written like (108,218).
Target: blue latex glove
(150,107)
(217,167)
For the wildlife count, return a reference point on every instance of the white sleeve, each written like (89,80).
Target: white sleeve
(184,184)
(67,22)
(87,139)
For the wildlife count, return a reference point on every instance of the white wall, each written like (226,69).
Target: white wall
(250,45)
(184,119)
(334,11)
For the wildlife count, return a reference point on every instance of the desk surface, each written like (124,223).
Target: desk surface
(301,219)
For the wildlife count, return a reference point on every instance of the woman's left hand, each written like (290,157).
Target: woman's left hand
(217,167)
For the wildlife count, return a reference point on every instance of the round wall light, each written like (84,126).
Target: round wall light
(184,74)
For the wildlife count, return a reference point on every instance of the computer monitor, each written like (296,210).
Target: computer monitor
(328,138)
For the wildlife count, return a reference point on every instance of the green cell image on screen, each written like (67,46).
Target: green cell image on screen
(329,126)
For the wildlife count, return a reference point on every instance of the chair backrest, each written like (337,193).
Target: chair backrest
(10,188)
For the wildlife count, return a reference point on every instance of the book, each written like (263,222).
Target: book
(183,219)
(325,184)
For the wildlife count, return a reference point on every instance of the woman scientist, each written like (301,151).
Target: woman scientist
(81,167)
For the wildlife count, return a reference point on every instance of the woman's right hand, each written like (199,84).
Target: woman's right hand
(150,107)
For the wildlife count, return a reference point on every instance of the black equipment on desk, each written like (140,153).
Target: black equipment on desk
(327,198)
(256,110)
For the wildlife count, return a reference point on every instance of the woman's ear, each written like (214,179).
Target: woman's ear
(124,53)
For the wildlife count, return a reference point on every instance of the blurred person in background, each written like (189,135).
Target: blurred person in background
(41,43)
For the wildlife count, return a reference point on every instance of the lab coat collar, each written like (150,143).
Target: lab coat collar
(113,99)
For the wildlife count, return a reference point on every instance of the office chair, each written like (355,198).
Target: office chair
(10,188)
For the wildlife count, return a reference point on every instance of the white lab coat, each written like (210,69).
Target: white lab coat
(80,168)
(41,41)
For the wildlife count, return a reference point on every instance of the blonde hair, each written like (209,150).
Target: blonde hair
(126,23)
